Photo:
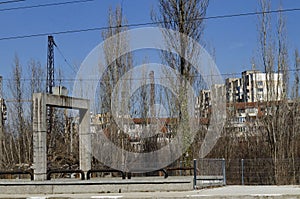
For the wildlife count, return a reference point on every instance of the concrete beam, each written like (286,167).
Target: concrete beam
(61,101)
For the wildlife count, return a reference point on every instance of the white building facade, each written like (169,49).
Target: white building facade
(255,86)
(261,87)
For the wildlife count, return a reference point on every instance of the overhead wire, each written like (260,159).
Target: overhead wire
(72,67)
(126,25)
(45,5)
(11,1)
(145,78)
(145,23)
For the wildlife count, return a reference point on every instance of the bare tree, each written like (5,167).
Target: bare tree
(185,17)
(115,43)
(294,120)
(16,87)
(19,128)
(274,56)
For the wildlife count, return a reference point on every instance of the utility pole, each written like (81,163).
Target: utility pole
(50,65)
(50,82)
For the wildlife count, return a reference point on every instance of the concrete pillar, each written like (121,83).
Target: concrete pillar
(1,135)
(84,140)
(39,137)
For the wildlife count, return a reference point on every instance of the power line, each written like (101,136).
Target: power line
(45,5)
(145,78)
(144,24)
(74,69)
(12,1)
(253,13)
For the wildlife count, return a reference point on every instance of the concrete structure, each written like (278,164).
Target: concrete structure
(1,135)
(255,86)
(234,91)
(259,87)
(1,125)
(245,97)
(204,100)
(103,185)
(137,128)
(243,117)
(40,103)
(140,191)
(60,90)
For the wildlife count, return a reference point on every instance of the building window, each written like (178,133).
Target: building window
(241,110)
(242,129)
(260,83)
(241,119)
(252,110)
(132,126)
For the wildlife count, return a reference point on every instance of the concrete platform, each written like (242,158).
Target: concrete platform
(100,185)
(227,192)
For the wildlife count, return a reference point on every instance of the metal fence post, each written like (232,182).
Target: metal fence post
(180,165)
(242,164)
(224,171)
(195,174)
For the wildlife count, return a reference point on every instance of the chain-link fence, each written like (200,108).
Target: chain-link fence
(263,171)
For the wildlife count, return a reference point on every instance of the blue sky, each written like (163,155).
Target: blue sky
(234,39)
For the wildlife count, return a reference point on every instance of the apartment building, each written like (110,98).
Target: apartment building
(204,100)
(136,129)
(234,91)
(255,86)
(242,117)
(246,99)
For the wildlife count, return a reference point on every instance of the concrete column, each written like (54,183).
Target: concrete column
(84,140)
(39,137)
(1,136)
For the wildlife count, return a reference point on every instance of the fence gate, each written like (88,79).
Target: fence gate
(209,172)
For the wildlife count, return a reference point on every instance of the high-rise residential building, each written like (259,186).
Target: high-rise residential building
(203,102)
(234,91)
(255,86)
(261,87)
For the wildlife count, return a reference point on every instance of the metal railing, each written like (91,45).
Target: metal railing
(49,173)
(164,171)
(104,171)
(18,172)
